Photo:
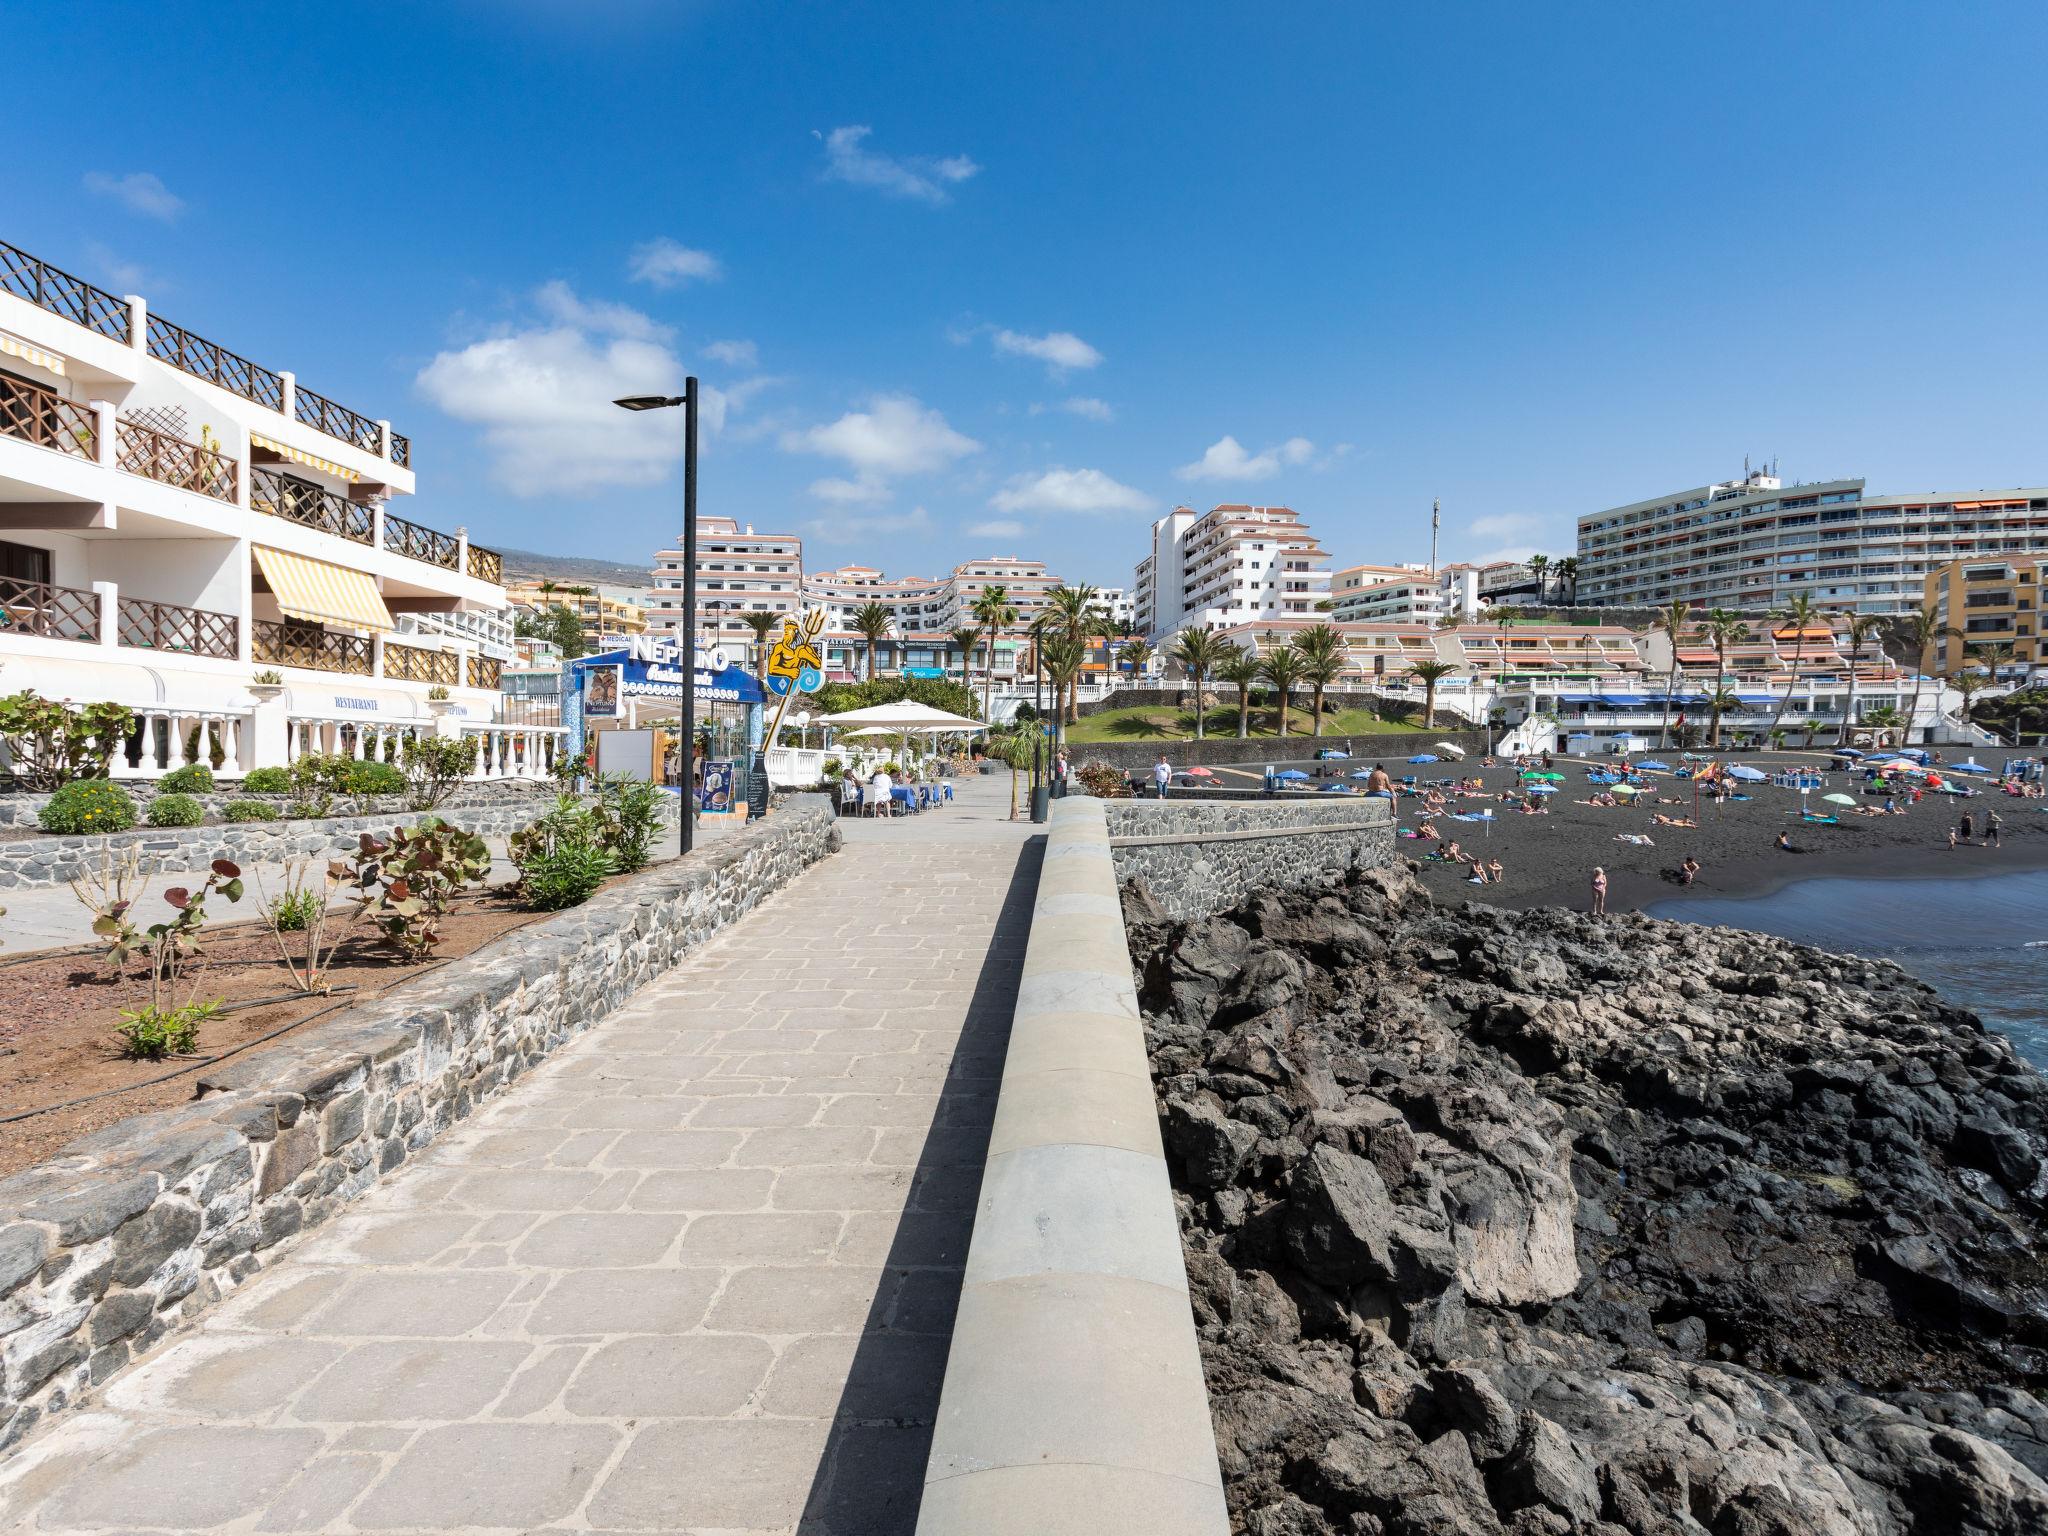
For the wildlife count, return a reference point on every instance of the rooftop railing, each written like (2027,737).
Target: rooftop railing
(60,293)
(202,359)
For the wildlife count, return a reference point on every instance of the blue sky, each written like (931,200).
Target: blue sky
(981,279)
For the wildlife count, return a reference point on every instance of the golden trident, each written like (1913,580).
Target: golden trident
(797,649)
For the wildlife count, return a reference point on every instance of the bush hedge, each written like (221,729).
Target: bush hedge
(176,811)
(88,805)
(251,810)
(192,779)
(268,781)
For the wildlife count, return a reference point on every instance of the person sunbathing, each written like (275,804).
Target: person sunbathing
(1661,820)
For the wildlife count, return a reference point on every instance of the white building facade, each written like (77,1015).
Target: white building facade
(176,520)
(1232,565)
(738,571)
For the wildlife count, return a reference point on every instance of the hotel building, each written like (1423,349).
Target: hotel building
(738,571)
(607,615)
(1990,602)
(1752,544)
(175,519)
(1229,566)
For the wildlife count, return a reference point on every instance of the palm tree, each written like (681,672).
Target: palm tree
(1324,659)
(1430,673)
(1283,668)
(1672,622)
(1719,701)
(1568,578)
(1505,616)
(762,625)
(1884,720)
(1063,655)
(1242,672)
(1072,612)
(963,642)
(1969,682)
(1861,627)
(1199,652)
(1799,614)
(1920,631)
(1135,654)
(1538,566)
(872,622)
(993,613)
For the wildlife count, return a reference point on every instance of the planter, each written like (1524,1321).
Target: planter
(265,692)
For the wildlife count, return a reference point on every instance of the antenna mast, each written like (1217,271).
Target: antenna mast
(1436,510)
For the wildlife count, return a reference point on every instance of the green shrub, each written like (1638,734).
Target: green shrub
(89,805)
(176,811)
(250,810)
(628,819)
(192,779)
(268,781)
(566,877)
(368,778)
(833,768)
(49,744)
(151,1033)
(295,910)
(434,765)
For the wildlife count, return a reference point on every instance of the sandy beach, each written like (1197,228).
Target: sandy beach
(1548,859)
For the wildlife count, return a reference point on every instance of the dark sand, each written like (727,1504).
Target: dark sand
(1548,860)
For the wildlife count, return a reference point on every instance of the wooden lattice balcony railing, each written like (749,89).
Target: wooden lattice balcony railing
(304,646)
(206,360)
(158,456)
(401,451)
(47,419)
(62,294)
(319,412)
(301,501)
(413,665)
(485,671)
(48,612)
(486,565)
(407,538)
(169,627)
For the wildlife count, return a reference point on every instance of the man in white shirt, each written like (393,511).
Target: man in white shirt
(1162,774)
(885,802)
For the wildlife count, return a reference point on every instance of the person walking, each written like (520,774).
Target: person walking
(1060,769)
(1599,891)
(1992,822)
(1969,827)
(1162,774)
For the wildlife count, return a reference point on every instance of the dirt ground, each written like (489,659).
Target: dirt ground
(58,1011)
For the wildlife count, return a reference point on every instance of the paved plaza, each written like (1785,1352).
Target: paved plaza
(696,1273)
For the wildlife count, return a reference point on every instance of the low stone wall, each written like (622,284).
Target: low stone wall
(139,1228)
(1202,857)
(1138,757)
(51,860)
(24,808)
(1074,1402)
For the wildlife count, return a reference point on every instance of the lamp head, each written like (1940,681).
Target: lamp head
(648,402)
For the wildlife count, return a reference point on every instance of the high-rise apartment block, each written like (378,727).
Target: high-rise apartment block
(1231,565)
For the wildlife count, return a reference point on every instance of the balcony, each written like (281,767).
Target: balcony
(486,565)
(169,627)
(78,301)
(48,612)
(485,671)
(309,648)
(47,419)
(313,506)
(421,543)
(189,466)
(411,664)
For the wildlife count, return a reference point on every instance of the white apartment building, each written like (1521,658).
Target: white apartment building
(1752,544)
(925,611)
(175,519)
(738,571)
(1120,606)
(1231,565)
(1419,599)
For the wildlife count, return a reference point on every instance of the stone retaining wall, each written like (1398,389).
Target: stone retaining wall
(139,1228)
(51,860)
(24,808)
(1138,757)
(1202,857)
(1074,1402)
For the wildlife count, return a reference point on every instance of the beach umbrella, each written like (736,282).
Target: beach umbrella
(1336,789)
(1200,773)
(1846,752)
(1839,799)
(1747,774)
(1972,766)
(1627,789)
(1553,778)
(1290,773)
(1425,757)
(1450,749)
(1653,766)
(1361,773)
(1542,789)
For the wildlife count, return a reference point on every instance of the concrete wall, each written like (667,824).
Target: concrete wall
(139,1228)
(1074,1402)
(1392,750)
(1201,857)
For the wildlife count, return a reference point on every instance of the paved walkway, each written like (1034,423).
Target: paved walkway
(696,1273)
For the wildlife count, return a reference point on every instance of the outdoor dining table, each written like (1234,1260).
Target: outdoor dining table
(906,796)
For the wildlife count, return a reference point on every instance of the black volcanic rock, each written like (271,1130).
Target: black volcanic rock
(1539,1223)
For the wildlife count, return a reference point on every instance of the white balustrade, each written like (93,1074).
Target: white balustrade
(162,736)
(515,751)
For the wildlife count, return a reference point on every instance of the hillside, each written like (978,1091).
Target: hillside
(528,565)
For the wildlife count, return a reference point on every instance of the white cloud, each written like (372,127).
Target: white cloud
(122,273)
(1514,554)
(1504,525)
(1069,490)
(738,354)
(1060,351)
(669,264)
(895,436)
(843,529)
(995,528)
(139,192)
(917,177)
(1225,459)
(542,394)
(1088,407)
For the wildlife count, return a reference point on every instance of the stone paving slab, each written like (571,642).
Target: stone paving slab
(696,1273)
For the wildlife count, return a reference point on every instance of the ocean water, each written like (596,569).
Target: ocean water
(1981,941)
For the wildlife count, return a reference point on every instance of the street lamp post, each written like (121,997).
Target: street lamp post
(687,771)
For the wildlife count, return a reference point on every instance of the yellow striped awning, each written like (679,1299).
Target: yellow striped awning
(13,346)
(300,456)
(322,593)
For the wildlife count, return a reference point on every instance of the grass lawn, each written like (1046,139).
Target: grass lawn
(1155,723)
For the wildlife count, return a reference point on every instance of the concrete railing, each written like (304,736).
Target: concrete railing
(1073,1400)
